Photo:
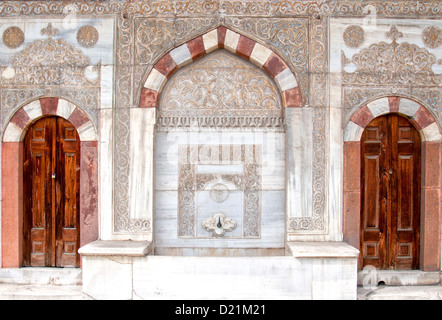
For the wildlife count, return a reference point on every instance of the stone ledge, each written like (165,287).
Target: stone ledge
(116,248)
(321,250)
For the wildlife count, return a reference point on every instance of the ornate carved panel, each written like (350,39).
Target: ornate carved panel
(142,41)
(217,179)
(220,91)
(48,67)
(395,68)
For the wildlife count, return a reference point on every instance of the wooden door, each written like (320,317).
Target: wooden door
(51,194)
(390,195)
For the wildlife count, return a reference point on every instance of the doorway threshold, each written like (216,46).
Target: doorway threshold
(41,275)
(374,277)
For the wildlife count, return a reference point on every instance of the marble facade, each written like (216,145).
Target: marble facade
(220,129)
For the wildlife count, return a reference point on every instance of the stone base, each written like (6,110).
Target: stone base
(307,271)
(369,277)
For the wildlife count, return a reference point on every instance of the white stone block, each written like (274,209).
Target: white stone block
(155,80)
(260,54)
(33,109)
(231,40)
(408,107)
(65,108)
(181,55)
(87,132)
(432,133)
(105,162)
(353,132)
(107,277)
(142,122)
(286,80)
(12,133)
(210,40)
(379,107)
(106,86)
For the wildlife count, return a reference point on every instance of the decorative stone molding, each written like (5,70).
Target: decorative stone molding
(391,8)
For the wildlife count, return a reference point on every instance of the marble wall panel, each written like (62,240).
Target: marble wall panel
(167,159)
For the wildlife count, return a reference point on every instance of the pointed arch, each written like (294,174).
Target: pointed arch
(431,149)
(12,173)
(221,37)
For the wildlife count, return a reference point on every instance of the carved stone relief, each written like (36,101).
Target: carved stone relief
(204,172)
(154,36)
(288,36)
(48,67)
(396,68)
(220,91)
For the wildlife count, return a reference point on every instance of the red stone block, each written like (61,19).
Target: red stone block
(423,118)
(148,98)
(166,65)
(245,47)
(78,118)
(292,97)
(274,65)
(49,105)
(221,36)
(362,117)
(21,118)
(394,103)
(196,48)
(352,166)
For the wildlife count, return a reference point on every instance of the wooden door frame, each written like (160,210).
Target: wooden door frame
(12,174)
(431,139)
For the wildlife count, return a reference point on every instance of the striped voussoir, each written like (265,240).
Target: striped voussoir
(26,115)
(421,118)
(236,43)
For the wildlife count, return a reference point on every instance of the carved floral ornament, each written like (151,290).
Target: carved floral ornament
(220,90)
(391,63)
(50,62)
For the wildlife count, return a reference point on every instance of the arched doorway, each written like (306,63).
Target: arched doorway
(430,189)
(51,185)
(13,141)
(390,193)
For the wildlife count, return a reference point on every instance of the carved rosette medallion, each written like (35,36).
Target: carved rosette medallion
(354,36)
(432,37)
(87,36)
(13,37)
(219,192)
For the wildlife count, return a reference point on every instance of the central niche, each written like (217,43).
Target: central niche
(219,158)
(219,191)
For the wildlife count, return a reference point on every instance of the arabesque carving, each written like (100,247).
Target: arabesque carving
(191,182)
(392,63)
(220,91)
(51,62)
